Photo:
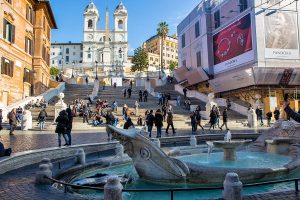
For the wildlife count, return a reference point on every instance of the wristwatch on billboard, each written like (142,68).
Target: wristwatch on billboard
(225,42)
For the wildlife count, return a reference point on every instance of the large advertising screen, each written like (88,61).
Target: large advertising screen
(281,35)
(233,45)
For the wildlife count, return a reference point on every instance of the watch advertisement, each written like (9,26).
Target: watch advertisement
(233,45)
(281,35)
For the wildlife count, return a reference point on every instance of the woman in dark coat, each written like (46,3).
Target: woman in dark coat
(158,120)
(70,125)
(62,124)
(213,118)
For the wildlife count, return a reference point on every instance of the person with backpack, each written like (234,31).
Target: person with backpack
(62,124)
(170,123)
(149,122)
(269,117)
(42,118)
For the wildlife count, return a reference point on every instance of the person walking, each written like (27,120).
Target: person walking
(193,122)
(269,117)
(170,123)
(129,92)
(136,105)
(198,118)
(140,96)
(184,92)
(86,80)
(225,119)
(62,123)
(124,92)
(70,125)
(145,94)
(12,121)
(149,122)
(158,120)
(128,124)
(103,86)
(131,83)
(276,114)
(85,114)
(1,118)
(259,115)
(213,118)
(42,118)
(218,114)
(124,112)
(164,111)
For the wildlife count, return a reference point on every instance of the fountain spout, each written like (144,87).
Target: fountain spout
(227,137)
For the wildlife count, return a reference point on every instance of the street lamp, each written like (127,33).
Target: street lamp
(73,69)
(96,70)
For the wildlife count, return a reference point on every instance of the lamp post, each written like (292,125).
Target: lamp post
(73,69)
(96,70)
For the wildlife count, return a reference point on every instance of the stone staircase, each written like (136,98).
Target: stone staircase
(170,88)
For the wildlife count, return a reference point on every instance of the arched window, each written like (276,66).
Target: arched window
(90,23)
(120,24)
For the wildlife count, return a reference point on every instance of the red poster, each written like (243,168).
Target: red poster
(233,41)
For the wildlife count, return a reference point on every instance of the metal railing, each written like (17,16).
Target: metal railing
(173,190)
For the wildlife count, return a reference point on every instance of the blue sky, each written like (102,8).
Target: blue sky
(144,15)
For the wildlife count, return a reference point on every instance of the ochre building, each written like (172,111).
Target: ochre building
(25,35)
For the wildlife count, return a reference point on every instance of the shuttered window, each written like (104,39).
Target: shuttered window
(7,67)
(8,31)
(28,46)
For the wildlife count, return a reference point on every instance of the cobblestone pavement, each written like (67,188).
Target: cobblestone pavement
(31,140)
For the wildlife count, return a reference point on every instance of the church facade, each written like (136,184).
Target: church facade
(105,49)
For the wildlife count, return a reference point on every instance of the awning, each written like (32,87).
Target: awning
(196,76)
(232,81)
(179,73)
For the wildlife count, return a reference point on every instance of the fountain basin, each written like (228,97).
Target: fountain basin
(230,147)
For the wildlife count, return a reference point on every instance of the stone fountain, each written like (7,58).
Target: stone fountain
(230,146)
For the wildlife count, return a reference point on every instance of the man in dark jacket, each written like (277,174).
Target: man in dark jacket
(12,121)
(225,119)
(150,121)
(259,115)
(140,96)
(70,125)
(158,120)
(42,118)
(145,94)
(129,92)
(62,123)
(170,123)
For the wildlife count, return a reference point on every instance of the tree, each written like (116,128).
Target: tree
(140,60)
(54,71)
(162,31)
(173,65)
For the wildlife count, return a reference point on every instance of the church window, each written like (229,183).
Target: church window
(67,59)
(89,55)
(67,51)
(120,24)
(90,23)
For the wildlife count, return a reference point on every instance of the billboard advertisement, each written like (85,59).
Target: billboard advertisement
(233,45)
(281,35)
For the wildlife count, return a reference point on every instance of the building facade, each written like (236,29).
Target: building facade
(64,54)
(24,48)
(242,49)
(106,49)
(169,51)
